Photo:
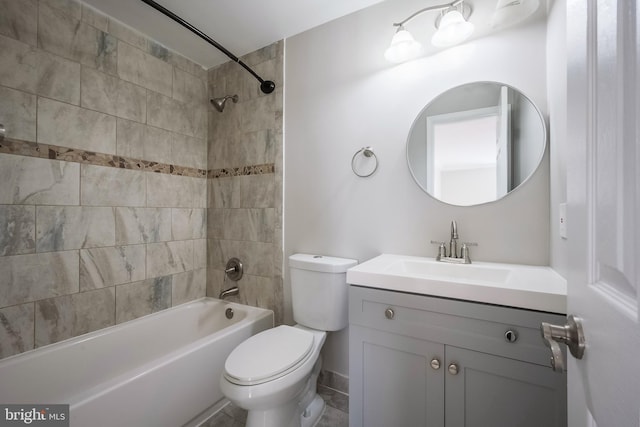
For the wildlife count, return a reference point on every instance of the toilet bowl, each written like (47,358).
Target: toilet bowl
(273,374)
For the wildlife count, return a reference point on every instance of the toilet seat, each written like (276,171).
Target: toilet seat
(268,355)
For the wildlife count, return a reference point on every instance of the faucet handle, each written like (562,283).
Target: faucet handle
(442,249)
(464,251)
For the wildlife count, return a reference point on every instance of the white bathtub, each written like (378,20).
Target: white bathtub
(158,370)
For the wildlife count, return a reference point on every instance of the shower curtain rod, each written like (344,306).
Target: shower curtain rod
(266,86)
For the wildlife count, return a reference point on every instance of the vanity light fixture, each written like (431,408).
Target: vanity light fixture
(452,26)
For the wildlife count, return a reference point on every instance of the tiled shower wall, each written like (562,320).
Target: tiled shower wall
(245,180)
(97,225)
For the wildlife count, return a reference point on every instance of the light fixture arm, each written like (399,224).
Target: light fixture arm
(427,9)
(266,86)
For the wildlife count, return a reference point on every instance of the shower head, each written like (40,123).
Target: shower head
(218,103)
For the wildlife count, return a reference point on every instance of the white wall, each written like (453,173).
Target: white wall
(341,95)
(557,78)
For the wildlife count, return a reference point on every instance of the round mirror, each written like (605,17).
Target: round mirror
(475,143)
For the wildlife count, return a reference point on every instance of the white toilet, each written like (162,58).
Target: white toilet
(273,374)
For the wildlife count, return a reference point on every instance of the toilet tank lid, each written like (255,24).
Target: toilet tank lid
(322,263)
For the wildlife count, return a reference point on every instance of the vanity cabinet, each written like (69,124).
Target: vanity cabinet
(417,360)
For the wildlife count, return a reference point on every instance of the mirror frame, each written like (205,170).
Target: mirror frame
(545,142)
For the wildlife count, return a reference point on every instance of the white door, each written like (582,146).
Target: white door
(603,189)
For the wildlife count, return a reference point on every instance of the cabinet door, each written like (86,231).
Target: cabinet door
(392,380)
(496,391)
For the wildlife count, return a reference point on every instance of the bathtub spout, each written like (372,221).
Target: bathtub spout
(229,292)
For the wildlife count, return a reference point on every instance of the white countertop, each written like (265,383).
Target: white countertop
(512,285)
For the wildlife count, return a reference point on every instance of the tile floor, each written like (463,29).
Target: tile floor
(232,416)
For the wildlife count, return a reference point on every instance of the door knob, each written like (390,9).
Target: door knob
(570,334)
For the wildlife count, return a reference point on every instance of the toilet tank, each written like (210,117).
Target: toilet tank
(319,291)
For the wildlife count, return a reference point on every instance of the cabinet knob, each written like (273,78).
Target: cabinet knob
(389,313)
(511,336)
(453,369)
(435,363)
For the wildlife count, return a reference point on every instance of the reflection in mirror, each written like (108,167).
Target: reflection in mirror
(475,143)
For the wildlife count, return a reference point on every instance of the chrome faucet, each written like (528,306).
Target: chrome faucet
(453,243)
(454,257)
(229,292)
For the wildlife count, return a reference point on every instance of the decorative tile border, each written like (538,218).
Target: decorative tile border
(242,171)
(55,152)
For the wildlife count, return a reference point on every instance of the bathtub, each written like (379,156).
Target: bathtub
(159,370)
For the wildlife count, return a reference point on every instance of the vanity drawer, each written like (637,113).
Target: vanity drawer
(503,331)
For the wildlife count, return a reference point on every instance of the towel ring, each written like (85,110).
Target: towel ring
(368,153)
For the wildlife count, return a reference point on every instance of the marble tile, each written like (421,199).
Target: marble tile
(141,298)
(18,112)
(200,253)
(176,191)
(110,95)
(126,34)
(66,36)
(70,7)
(57,319)
(189,151)
(334,398)
(255,148)
(188,88)
(19,20)
(62,228)
(167,113)
(28,180)
(58,78)
(16,329)
(229,416)
(256,225)
(27,278)
(215,226)
(142,225)
(102,267)
(257,191)
(169,258)
(75,127)
(333,418)
(223,192)
(158,50)
(95,18)
(140,141)
(18,64)
(141,68)
(105,186)
(258,291)
(17,230)
(187,65)
(188,224)
(258,114)
(188,286)
(334,380)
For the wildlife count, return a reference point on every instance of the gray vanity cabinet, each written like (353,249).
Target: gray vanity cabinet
(423,361)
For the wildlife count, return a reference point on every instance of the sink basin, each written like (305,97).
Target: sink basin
(431,269)
(512,285)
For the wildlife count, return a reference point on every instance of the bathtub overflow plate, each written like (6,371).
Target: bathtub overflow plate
(229,313)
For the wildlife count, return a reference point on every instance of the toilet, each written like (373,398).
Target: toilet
(273,374)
